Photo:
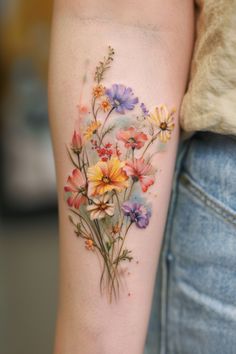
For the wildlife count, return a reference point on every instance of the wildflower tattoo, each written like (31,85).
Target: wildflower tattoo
(112,171)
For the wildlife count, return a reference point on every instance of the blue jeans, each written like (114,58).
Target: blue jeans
(194,306)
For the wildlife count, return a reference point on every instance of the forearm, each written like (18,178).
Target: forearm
(152,52)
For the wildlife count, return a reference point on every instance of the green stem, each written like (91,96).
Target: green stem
(133,155)
(118,201)
(97,111)
(84,235)
(123,240)
(81,217)
(149,144)
(93,109)
(102,245)
(118,255)
(104,123)
(79,162)
(84,169)
(71,158)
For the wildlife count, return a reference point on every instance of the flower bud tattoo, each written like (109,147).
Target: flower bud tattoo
(113,170)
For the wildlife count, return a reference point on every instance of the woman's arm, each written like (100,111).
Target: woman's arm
(120,157)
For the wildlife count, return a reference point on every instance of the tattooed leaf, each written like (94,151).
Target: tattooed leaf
(71,219)
(125,256)
(108,245)
(120,238)
(104,65)
(107,131)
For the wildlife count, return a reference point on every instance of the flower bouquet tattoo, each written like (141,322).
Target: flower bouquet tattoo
(112,160)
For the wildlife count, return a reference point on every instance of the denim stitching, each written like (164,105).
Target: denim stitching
(183,149)
(206,199)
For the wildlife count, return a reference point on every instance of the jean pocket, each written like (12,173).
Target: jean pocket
(210,170)
(208,200)
(203,242)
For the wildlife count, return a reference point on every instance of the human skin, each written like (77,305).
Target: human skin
(153,45)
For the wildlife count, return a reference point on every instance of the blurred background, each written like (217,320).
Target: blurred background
(28,206)
(28,221)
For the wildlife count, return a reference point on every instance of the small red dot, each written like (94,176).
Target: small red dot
(129,294)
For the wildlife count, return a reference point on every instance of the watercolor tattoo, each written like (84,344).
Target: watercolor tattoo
(111,151)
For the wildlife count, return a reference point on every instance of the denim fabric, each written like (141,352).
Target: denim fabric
(194,307)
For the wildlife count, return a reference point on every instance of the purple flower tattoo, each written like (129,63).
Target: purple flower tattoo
(121,98)
(144,109)
(137,213)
